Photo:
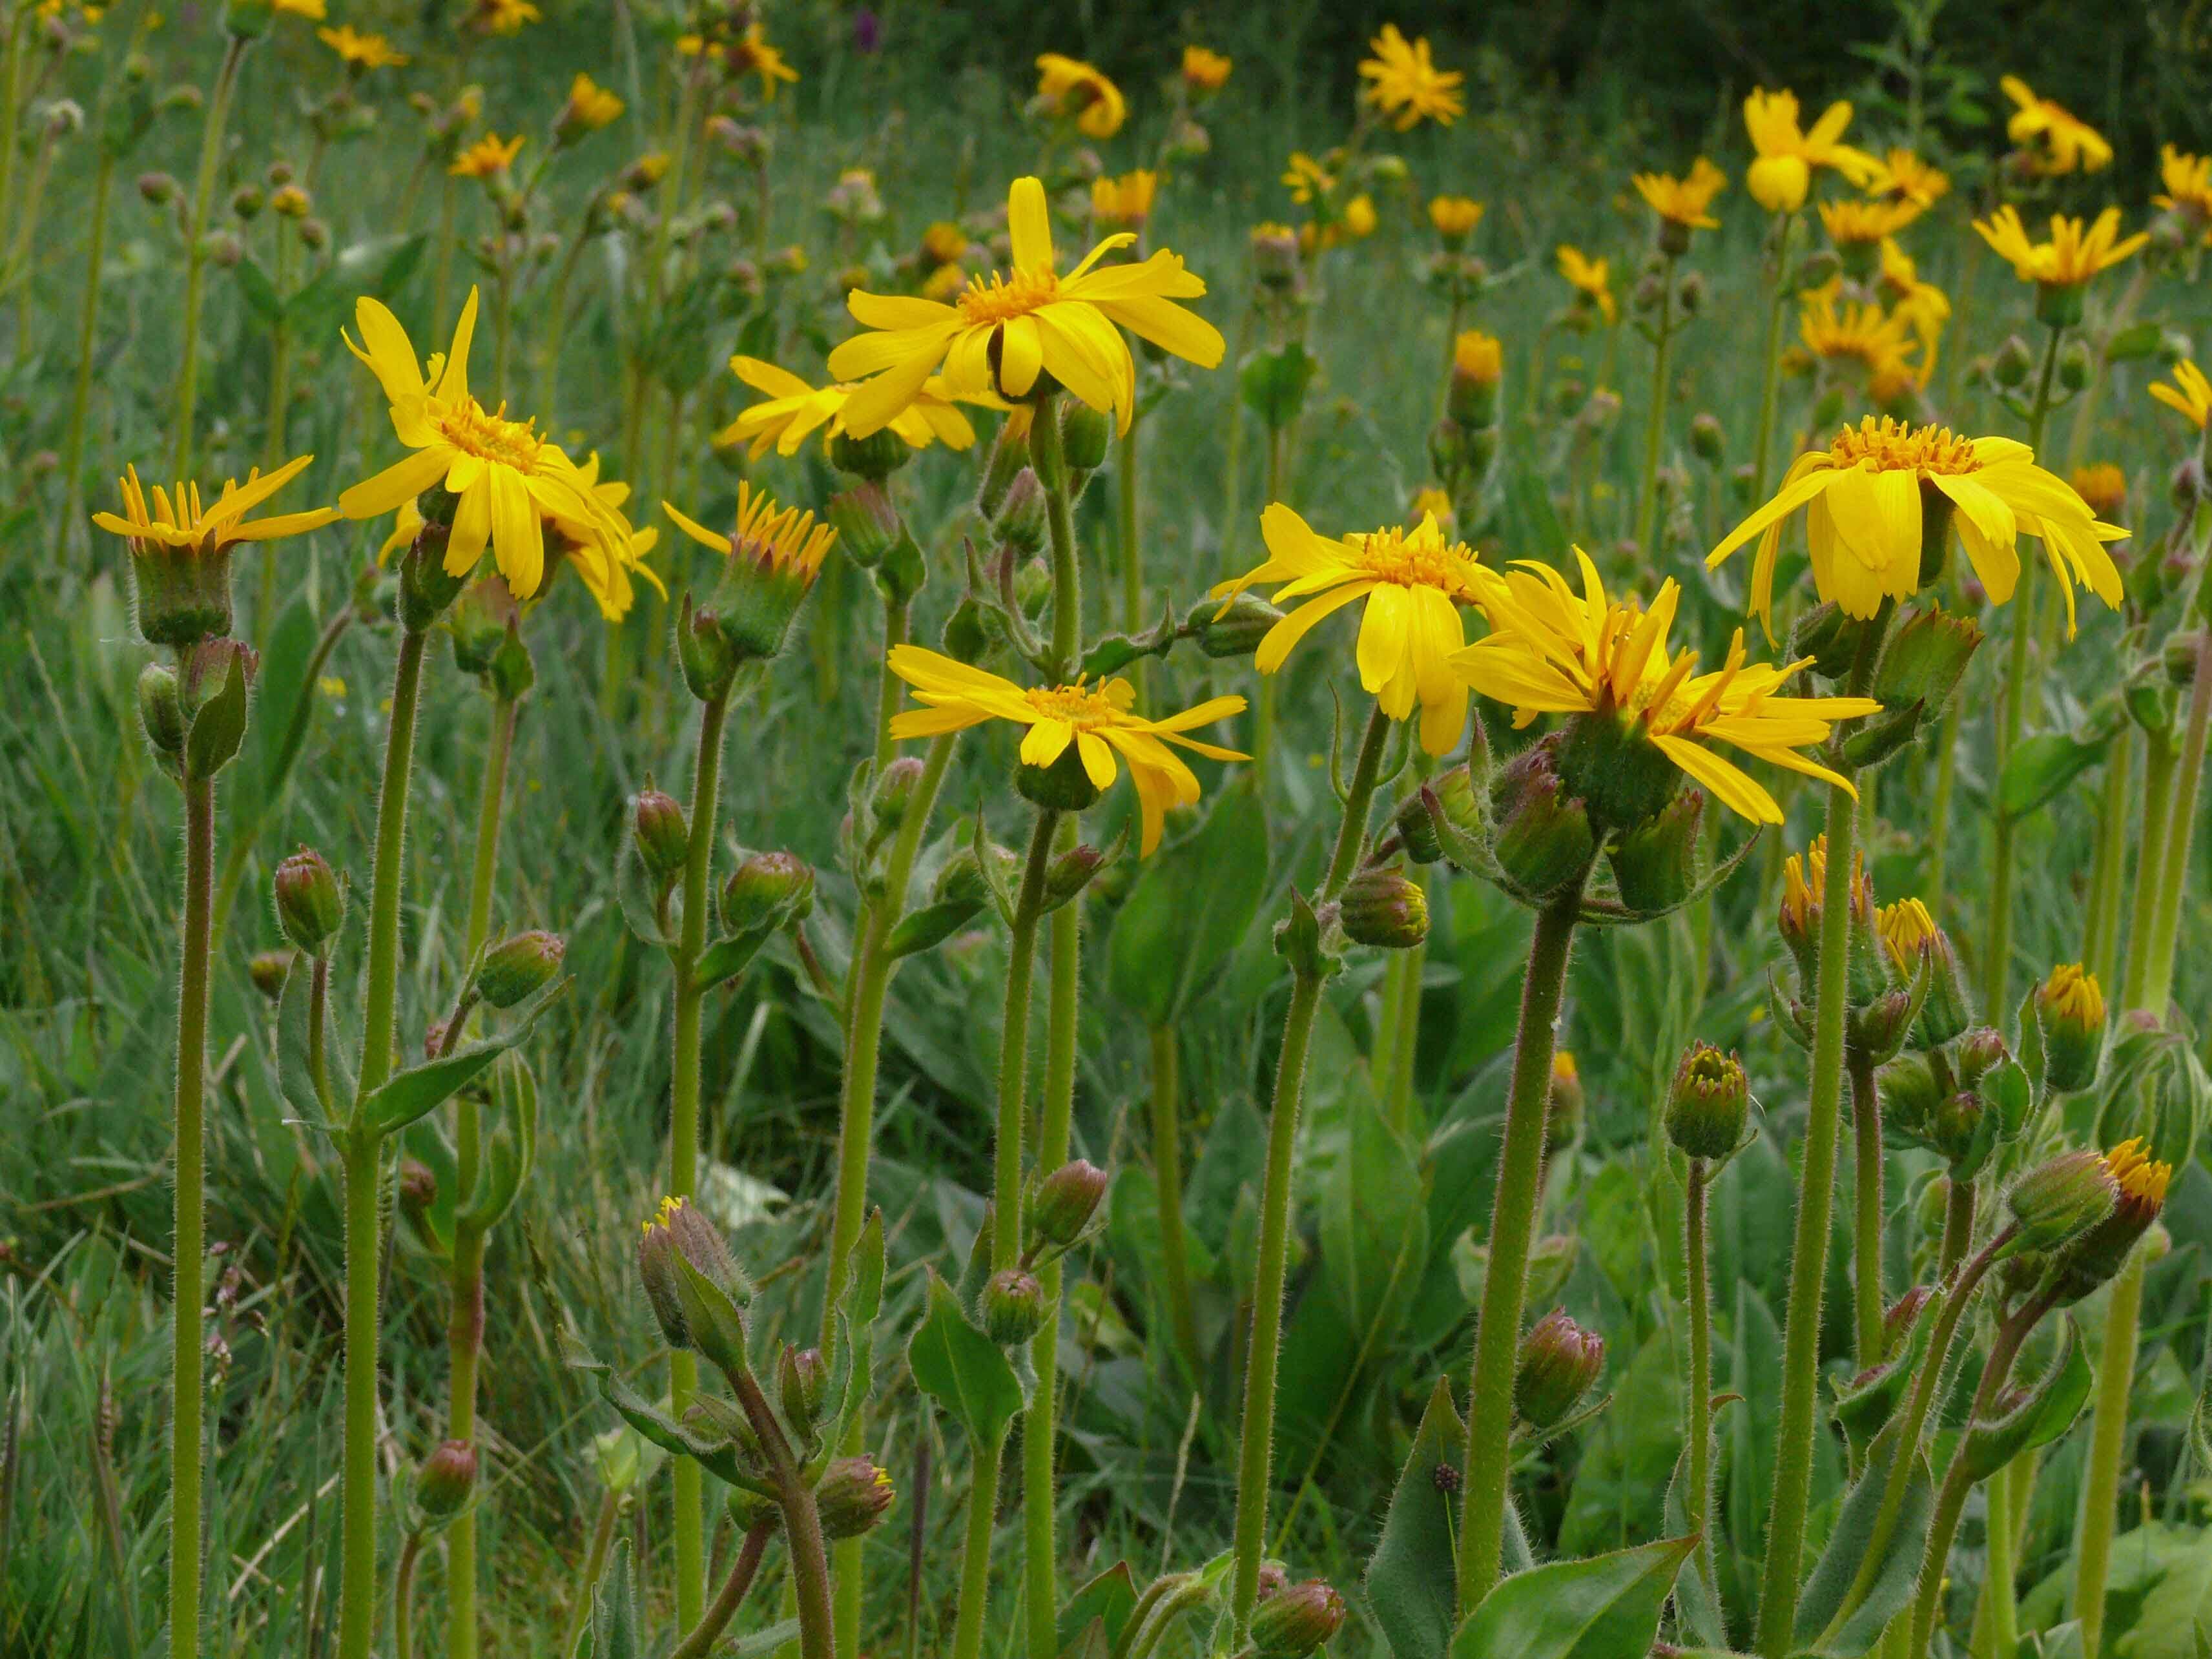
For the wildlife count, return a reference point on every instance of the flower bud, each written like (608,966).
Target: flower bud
(1978,1053)
(2061,1199)
(1543,839)
(2069,1010)
(2012,364)
(1708,442)
(1275,256)
(269,969)
(1560,1361)
(2074,364)
(1708,1102)
(854,1495)
(158,188)
(1925,660)
(664,841)
(1384,908)
(1013,1307)
(309,906)
(1064,785)
(1070,872)
(518,967)
(678,1229)
(245,203)
(1297,1619)
(221,249)
(802,1383)
(1564,1101)
(767,890)
(1233,630)
(1417,830)
(1009,456)
(1655,865)
(418,1188)
(1020,523)
(1064,1202)
(872,458)
(160,710)
(1911,1097)
(2097,1255)
(446,1480)
(894,792)
(1910,937)
(1084,432)
(866,518)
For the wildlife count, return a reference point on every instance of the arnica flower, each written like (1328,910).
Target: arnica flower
(1360,219)
(1405,84)
(360,52)
(1429,502)
(590,108)
(1478,356)
(1684,202)
(1788,155)
(2070,258)
(770,560)
(1005,337)
(1096,722)
(1901,176)
(2102,486)
(1589,278)
(1605,661)
(1925,306)
(794,409)
(1126,202)
(506,477)
(1861,223)
(1204,71)
(1072,88)
(1871,496)
(500,16)
(1454,217)
(1414,582)
(782,540)
(1861,332)
(1907,930)
(2095,1257)
(1804,887)
(2188,193)
(490,157)
(2056,139)
(2190,393)
(749,53)
(1308,179)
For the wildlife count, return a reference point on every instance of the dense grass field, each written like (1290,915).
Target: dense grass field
(1556,1022)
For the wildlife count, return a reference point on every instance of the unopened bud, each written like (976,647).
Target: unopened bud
(854,1495)
(1544,840)
(894,791)
(679,1229)
(1013,1307)
(1708,1102)
(1654,864)
(663,839)
(1070,872)
(1065,1201)
(769,889)
(2061,1199)
(1559,1362)
(161,709)
(802,1383)
(269,970)
(2074,364)
(309,906)
(1234,630)
(1084,432)
(1297,1619)
(518,967)
(158,188)
(866,520)
(2069,1010)
(1708,442)
(2011,365)
(446,1480)
(1020,523)
(418,1187)
(1384,908)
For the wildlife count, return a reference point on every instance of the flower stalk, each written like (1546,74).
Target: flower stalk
(1655,431)
(187,1436)
(188,364)
(1770,372)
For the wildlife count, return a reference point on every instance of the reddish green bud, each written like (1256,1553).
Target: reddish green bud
(269,969)
(309,906)
(664,840)
(1708,1103)
(1234,631)
(866,520)
(1020,523)
(1297,1619)
(418,1188)
(854,1495)
(894,791)
(769,889)
(519,966)
(1065,1201)
(1070,872)
(1979,1052)
(705,655)
(1559,1362)
(678,1229)
(1417,830)
(1544,840)
(2061,1199)
(446,1480)
(802,1381)
(2097,1255)
(1384,908)
(1010,455)
(1013,1307)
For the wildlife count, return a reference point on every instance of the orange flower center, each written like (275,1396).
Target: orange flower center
(1007,297)
(489,436)
(1411,558)
(1893,446)
(1077,704)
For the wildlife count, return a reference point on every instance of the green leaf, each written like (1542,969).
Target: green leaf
(614,1633)
(1107,1601)
(422,1089)
(1697,1603)
(851,1364)
(2138,340)
(764,1641)
(1273,383)
(1897,1575)
(1410,1577)
(1604,1607)
(634,888)
(1189,906)
(962,1369)
(2048,1411)
(2040,766)
(1374,1222)
(258,292)
(727,958)
(514,1144)
(286,695)
(219,727)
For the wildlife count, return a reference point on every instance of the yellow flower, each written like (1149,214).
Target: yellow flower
(1073,88)
(2057,139)
(794,409)
(943,243)
(2102,486)
(1454,217)
(2072,993)
(1902,176)
(1429,502)
(1204,71)
(1805,880)
(501,17)
(1359,216)
(1405,84)
(1127,200)
(1862,222)
(181,523)
(943,284)
(1684,201)
(312,9)
(1096,721)
(1552,652)
(1788,155)
(751,54)
(1414,582)
(1589,276)
(507,478)
(1925,306)
(360,52)
(2190,393)
(1004,336)
(1478,356)
(1906,929)
(1859,332)
(590,108)
(1308,179)
(2187,180)
(488,157)
(782,544)
(1865,496)
(2070,258)
(650,168)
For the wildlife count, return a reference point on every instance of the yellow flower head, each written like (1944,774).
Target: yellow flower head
(360,52)
(1923,306)
(1686,201)
(1907,930)
(1096,721)
(508,479)
(1126,201)
(1788,155)
(490,157)
(1866,498)
(1805,879)
(180,523)
(1865,219)
(1478,356)
(1074,89)
(2073,994)
(2190,393)
(500,16)
(1005,336)
(1430,503)
(1359,216)
(2070,258)
(649,169)
(2142,1179)
(312,9)
(1204,71)
(1308,179)
(1414,582)
(1404,82)
(1858,332)
(590,108)
(943,243)
(2187,180)
(1454,217)
(1589,278)
(751,54)
(2102,486)
(794,409)
(1901,176)
(2056,140)
(781,541)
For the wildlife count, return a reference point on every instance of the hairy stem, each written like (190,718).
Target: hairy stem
(2108,1437)
(1866,1223)
(190,1217)
(1167,1168)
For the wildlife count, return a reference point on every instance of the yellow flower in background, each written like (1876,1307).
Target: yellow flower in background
(1589,278)
(1862,496)
(1923,304)
(943,243)
(2187,181)
(2190,393)
(1454,217)
(2070,258)
(751,54)
(182,523)
(1127,200)
(1414,582)
(2072,993)
(1429,502)
(1308,179)
(1404,82)
(1685,201)
(1001,336)
(794,409)
(360,52)
(1861,221)
(943,284)
(1857,331)
(1097,721)
(1551,651)
(1902,176)
(312,9)
(487,158)
(590,108)
(1478,356)
(1204,71)
(782,540)
(1359,216)
(1906,929)
(1075,90)
(2058,140)
(501,17)
(2102,486)
(1788,155)
(508,479)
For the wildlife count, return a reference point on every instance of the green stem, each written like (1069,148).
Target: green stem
(2100,943)
(2108,1436)
(1512,1227)
(2157,807)
(888,683)
(802,1522)
(1167,1168)
(1655,431)
(1939,810)
(188,366)
(1957,1225)
(1405,1037)
(1770,373)
(490,807)
(88,334)
(403,1598)
(1126,521)
(595,1561)
(190,1216)
(363,1155)
(975,1549)
(2181,821)
(1866,1240)
(11,118)
(700,1642)
(2009,1491)
(1700,1496)
(381,1003)
(464,1346)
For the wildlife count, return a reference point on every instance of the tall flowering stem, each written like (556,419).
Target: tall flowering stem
(190,1218)
(1699,1502)
(2108,1436)
(188,364)
(1655,431)
(1256,1455)
(1770,372)
(1867,1303)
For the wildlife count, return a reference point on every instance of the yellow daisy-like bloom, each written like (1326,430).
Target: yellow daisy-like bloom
(794,409)
(1901,176)
(488,157)
(1127,200)
(360,52)
(501,17)
(1865,220)
(507,478)
(1860,332)
(1864,500)
(943,243)
(1404,82)
(1805,879)
(181,522)
(1429,502)
(1454,217)
(2142,1179)
(782,541)
(751,54)
(1788,155)
(1906,929)
(1478,356)
(1925,306)
(1360,219)
(1589,276)
(2060,141)
(1005,336)
(1308,179)
(1684,201)
(1204,71)
(2187,181)
(1097,720)
(1076,89)
(2102,486)
(1414,582)
(2070,258)
(1551,651)
(2072,993)
(590,107)
(312,9)
(2190,393)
